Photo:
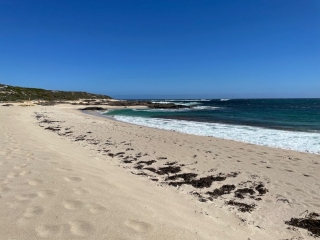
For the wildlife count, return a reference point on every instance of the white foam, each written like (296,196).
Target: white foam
(103,112)
(189,103)
(183,100)
(163,110)
(224,99)
(298,141)
(161,102)
(206,107)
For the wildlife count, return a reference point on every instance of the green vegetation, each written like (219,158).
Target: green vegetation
(11,93)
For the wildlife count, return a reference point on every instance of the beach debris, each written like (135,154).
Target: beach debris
(242,207)
(138,167)
(48,121)
(261,189)
(225,189)
(170,172)
(127,161)
(233,174)
(53,129)
(284,200)
(165,170)
(170,163)
(140,174)
(147,162)
(185,176)
(92,109)
(311,222)
(119,153)
(240,192)
(204,182)
(80,138)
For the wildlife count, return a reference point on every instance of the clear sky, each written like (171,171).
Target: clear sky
(163,48)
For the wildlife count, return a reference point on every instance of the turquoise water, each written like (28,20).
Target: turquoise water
(294,122)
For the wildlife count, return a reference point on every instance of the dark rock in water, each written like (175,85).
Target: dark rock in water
(129,103)
(243,207)
(7,105)
(166,106)
(148,104)
(225,189)
(92,108)
(310,222)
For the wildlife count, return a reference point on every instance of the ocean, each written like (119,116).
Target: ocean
(281,123)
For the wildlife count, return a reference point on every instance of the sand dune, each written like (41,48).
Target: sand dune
(69,175)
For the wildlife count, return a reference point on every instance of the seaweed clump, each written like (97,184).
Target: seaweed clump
(203,182)
(309,222)
(225,189)
(165,170)
(243,207)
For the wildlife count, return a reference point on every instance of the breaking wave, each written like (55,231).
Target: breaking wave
(298,141)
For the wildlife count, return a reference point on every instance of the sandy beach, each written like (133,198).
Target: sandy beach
(65,174)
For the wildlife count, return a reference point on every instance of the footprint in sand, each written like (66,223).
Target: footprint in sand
(73,204)
(33,211)
(47,231)
(65,169)
(46,193)
(81,228)
(54,163)
(95,208)
(13,175)
(23,173)
(34,182)
(20,166)
(26,196)
(138,226)
(79,191)
(4,189)
(73,179)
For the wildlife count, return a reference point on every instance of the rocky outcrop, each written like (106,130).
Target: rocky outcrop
(92,109)
(148,104)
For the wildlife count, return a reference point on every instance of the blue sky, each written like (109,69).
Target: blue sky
(163,49)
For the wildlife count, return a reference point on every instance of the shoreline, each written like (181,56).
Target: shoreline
(203,172)
(225,138)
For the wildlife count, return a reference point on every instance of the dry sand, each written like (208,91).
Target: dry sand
(80,177)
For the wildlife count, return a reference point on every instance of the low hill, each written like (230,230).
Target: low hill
(12,93)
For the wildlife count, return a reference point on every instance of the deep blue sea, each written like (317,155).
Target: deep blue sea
(282,123)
